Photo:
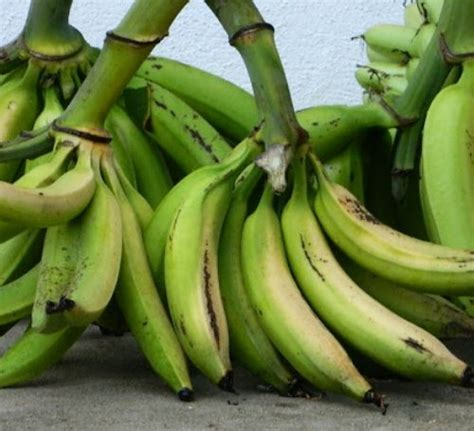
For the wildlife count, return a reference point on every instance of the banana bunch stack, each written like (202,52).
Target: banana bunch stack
(146,208)
(394,51)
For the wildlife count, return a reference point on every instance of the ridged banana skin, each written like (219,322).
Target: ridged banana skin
(139,302)
(152,175)
(448,164)
(226,106)
(419,265)
(20,254)
(16,297)
(433,313)
(52,108)
(285,316)
(53,204)
(355,316)
(96,272)
(157,231)
(192,281)
(33,353)
(248,343)
(183,133)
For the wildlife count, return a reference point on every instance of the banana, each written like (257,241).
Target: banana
(380,82)
(76,279)
(419,265)
(248,343)
(52,108)
(361,321)
(191,276)
(16,297)
(33,353)
(183,134)
(411,67)
(433,313)
(284,314)
(446,164)
(151,172)
(138,299)
(95,274)
(376,54)
(413,17)
(52,204)
(226,106)
(19,254)
(159,226)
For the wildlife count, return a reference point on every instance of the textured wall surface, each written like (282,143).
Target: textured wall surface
(313,36)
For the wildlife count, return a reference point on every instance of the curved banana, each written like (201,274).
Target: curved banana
(33,353)
(433,313)
(16,297)
(413,17)
(419,265)
(356,317)
(226,106)
(138,298)
(159,226)
(431,9)
(191,275)
(52,204)
(52,108)
(284,314)
(182,133)
(248,343)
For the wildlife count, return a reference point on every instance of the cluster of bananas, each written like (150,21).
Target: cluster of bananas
(172,232)
(394,51)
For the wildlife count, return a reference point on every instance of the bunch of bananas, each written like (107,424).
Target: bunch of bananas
(145,208)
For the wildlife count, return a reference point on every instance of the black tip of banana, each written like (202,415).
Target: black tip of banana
(467,379)
(64,304)
(227,382)
(371,397)
(186,395)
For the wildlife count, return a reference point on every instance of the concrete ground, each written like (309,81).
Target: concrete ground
(104,383)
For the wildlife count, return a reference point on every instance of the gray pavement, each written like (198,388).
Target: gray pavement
(104,383)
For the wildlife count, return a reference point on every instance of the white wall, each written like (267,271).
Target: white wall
(313,36)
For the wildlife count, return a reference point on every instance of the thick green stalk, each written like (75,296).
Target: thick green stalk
(47,33)
(253,38)
(126,47)
(452,42)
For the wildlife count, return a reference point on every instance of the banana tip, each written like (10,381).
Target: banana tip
(227,382)
(186,395)
(468,378)
(371,397)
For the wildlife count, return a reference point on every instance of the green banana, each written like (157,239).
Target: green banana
(248,343)
(380,82)
(226,106)
(446,164)
(433,313)
(26,145)
(159,226)
(284,314)
(52,108)
(33,353)
(419,265)
(52,204)
(361,321)
(431,9)
(16,297)
(191,275)
(412,16)
(183,134)
(138,299)
(152,176)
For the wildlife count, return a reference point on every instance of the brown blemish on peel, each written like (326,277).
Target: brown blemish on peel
(207,291)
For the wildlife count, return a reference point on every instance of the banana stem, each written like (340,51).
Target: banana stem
(254,39)
(125,48)
(47,34)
